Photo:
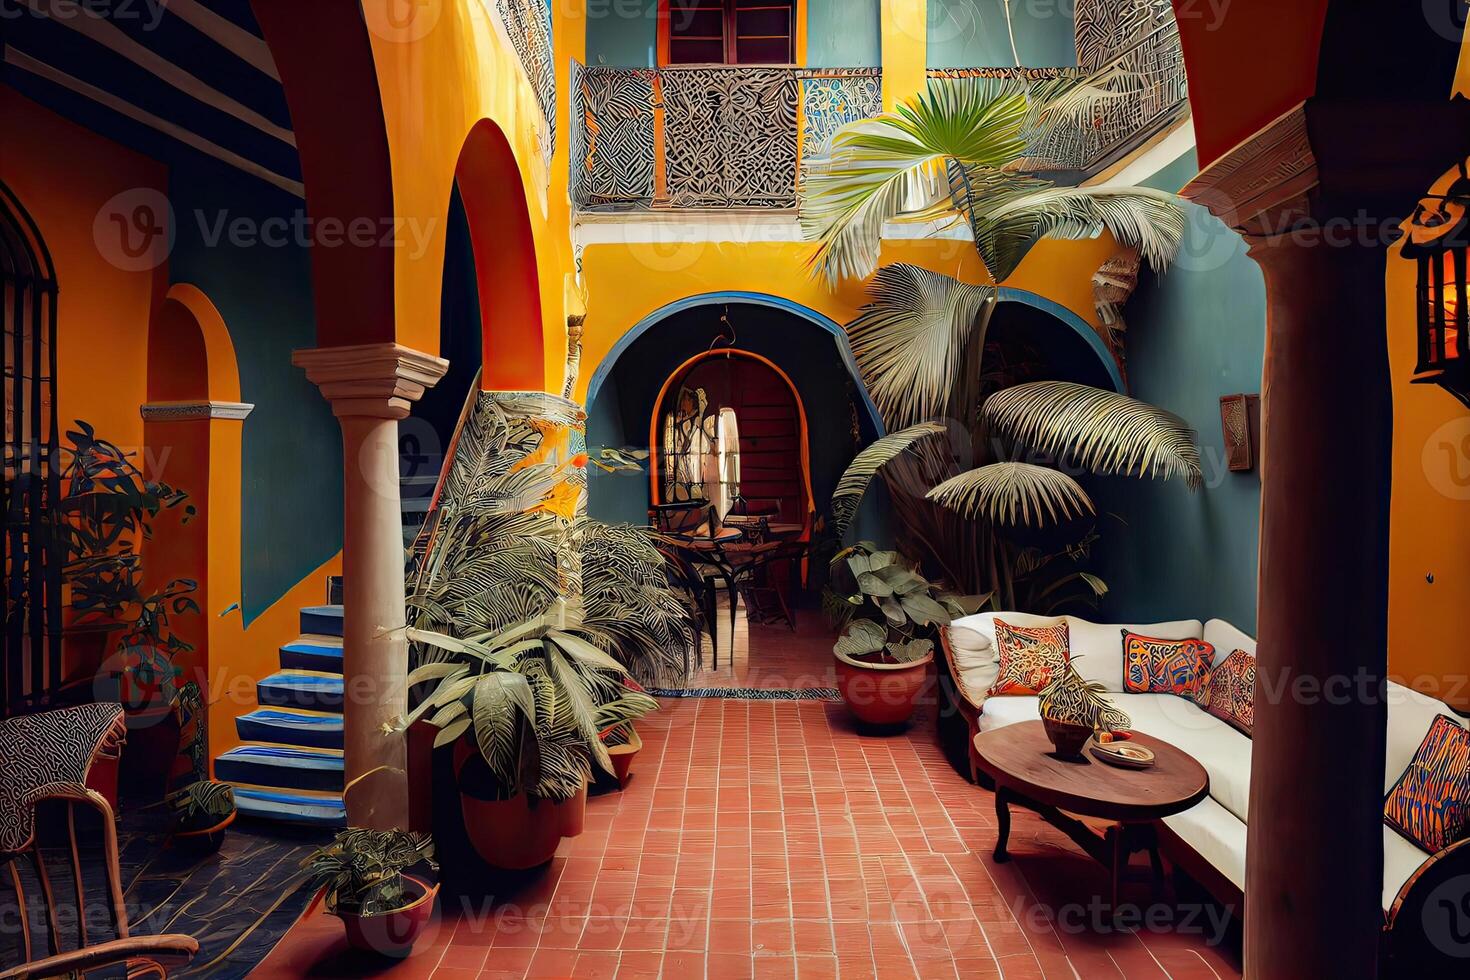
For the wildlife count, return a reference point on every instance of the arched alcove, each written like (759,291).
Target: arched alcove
(488,181)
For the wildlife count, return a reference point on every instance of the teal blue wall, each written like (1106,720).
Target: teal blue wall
(840,33)
(291,490)
(1194,334)
(972,33)
(844,34)
(622,33)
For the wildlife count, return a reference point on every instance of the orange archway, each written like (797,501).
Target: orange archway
(489,182)
(192,438)
(683,371)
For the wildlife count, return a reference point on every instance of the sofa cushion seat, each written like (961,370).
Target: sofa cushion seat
(1224,752)
(1216,835)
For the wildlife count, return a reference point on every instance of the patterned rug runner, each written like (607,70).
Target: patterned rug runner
(752,693)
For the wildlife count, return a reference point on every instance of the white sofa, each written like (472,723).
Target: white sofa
(1214,829)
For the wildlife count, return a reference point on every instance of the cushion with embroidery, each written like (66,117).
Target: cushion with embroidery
(1029,657)
(1228,691)
(1154,666)
(1430,804)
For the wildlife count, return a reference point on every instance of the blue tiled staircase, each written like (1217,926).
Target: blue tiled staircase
(290,765)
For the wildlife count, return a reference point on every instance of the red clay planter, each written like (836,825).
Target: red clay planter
(879,692)
(392,933)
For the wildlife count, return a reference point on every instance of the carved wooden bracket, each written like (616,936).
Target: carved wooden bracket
(1262,186)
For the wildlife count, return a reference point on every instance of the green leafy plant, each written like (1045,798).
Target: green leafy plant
(885,609)
(968,150)
(98,526)
(536,699)
(201,805)
(361,871)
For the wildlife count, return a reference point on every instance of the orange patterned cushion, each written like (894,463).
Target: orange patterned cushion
(1154,666)
(1229,691)
(1430,804)
(1029,656)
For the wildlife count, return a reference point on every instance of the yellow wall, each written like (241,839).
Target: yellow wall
(438,80)
(1429,528)
(626,282)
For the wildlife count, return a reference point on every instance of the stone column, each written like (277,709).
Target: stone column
(370,388)
(1315,837)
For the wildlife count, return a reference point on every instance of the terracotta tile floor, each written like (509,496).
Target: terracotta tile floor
(770,839)
(770,656)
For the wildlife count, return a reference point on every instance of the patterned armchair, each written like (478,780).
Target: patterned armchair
(58,757)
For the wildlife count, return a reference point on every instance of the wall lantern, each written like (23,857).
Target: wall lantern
(1438,241)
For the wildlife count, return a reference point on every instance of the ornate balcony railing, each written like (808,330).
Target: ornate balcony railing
(733,137)
(706,137)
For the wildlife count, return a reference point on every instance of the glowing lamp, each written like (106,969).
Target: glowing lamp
(1439,241)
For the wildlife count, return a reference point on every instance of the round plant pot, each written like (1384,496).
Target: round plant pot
(204,841)
(623,755)
(880,692)
(1069,739)
(152,746)
(391,933)
(520,832)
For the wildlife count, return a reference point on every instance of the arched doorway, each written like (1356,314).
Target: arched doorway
(734,415)
(805,350)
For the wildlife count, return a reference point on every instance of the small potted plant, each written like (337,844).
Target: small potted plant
(1073,708)
(888,614)
(361,879)
(202,811)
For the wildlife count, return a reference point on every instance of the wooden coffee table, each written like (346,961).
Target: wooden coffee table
(1027,772)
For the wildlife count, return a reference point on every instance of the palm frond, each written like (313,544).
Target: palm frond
(878,168)
(1104,431)
(910,340)
(1008,494)
(864,466)
(1006,224)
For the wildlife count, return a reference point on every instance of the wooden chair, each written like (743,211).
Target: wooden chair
(48,758)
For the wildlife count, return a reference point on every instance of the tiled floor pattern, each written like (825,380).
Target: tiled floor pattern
(769,656)
(770,839)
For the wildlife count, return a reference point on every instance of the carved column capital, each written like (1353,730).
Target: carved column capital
(371,380)
(1263,186)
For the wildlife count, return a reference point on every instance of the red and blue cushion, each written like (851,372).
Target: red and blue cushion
(1430,804)
(1154,666)
(1228,691)
(1030,656)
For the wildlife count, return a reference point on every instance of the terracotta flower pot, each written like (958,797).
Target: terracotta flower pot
(1068,738)
(879,692)
(623,755)
(206,840)
(520,832)
(391,933)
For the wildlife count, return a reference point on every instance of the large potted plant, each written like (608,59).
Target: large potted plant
(888,614)
(361,878)
(524,712)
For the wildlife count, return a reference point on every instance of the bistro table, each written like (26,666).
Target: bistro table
(1027,772)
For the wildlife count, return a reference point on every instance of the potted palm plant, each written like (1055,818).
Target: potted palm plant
(524,711)
(202,810)
(888,614)
(971,151)
(360,876)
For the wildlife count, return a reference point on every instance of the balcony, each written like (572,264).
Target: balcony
(732,137)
